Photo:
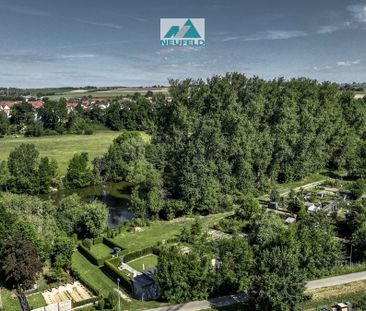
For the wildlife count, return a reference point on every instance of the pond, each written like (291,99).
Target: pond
(115,195)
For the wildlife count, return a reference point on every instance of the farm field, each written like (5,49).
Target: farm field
(63,147)
(122,91)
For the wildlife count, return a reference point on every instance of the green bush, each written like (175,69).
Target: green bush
(98,240)
(112,299)
(87,243)
(84,302)
(88,132)
(110,243)
(101,303)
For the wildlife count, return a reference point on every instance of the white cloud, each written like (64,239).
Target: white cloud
(109,25)
(328,29)
(358,13)
(348,63)
(276,35)
(231,38)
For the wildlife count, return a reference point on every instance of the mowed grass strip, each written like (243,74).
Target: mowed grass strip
(36,301)
(63,147)
(101,250)
(92,274)
(148,261)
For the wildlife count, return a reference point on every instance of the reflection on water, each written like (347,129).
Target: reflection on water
(115,195)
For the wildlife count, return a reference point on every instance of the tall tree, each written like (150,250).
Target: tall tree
(23,168)
(79,174)
(20,263)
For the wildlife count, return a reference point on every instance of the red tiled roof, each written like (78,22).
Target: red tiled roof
(8,103)
(36,104)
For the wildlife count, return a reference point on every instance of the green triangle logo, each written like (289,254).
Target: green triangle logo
(192,31)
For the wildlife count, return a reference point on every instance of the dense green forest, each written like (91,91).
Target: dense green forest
(234,134)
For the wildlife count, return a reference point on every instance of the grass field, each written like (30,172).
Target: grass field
(158,231)
(100,250)
(36,301)
(63,147)
(9,300)
(149,261)
(107,93)
(92,274)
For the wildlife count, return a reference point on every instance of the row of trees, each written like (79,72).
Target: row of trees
(53,118)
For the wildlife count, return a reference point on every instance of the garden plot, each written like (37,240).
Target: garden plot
(74,292)
(143,263)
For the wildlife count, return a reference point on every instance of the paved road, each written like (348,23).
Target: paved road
(229,300)
(336,280)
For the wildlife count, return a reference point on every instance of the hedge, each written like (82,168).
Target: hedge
(98,240)
(110,243)
(84,302)
(86,283)
(115,273)
(88,254)
(141,252)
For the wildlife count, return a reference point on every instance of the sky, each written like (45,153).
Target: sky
(76,43)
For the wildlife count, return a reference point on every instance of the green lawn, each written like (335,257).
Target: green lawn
(92,274)
(100,250)
(36,301)
(9,300)
(160,230)
(148,261)
(63,147)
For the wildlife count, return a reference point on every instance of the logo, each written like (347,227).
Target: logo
(182,32)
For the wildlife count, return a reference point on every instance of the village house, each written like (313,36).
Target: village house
(5,107)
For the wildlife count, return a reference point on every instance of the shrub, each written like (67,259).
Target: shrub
(87,243)
(101,303)
(88,132)
(112,299)
(98,240)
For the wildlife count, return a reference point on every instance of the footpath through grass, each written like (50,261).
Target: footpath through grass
(63,147)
